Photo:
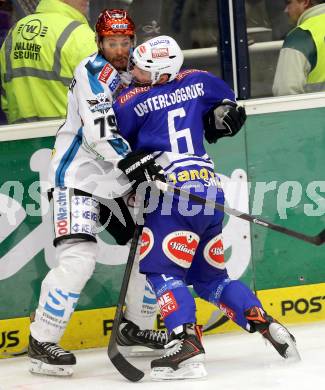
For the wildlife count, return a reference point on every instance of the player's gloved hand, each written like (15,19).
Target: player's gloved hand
(141,167)
(223,121)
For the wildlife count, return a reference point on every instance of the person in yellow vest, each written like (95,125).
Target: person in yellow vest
(301,64)
(38,59)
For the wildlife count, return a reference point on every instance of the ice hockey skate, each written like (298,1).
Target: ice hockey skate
(49,359)
(184,359)
(278,335)
(283,341)
(132,341)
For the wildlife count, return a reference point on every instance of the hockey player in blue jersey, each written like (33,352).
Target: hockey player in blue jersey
(163,116)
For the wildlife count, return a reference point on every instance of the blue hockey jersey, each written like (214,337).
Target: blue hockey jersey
(169,118)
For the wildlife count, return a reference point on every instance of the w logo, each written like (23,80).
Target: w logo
(31,29)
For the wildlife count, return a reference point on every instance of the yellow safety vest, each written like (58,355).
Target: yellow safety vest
(38,59)
(316,78)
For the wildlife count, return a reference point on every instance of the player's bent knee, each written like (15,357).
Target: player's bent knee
(238,294)
(211,291)
(162,282)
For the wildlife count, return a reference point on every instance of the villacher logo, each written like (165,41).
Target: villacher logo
(180,247)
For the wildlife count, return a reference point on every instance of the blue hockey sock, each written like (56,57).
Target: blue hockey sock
(232,297)
(176,304)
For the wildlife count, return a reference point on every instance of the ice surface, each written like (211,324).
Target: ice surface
(234,361)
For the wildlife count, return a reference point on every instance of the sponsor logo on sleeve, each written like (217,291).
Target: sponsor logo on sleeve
(214,253)
(101,103)
(180,247)
(105,73)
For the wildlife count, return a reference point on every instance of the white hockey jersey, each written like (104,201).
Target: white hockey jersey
(88,145)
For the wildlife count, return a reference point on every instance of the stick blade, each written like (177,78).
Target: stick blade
(320,238)
(126,369)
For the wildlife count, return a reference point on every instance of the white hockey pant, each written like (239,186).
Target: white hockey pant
(62,286)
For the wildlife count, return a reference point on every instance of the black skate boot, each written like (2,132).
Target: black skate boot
(49,359)
(277,334)
(184,358)
(133,341)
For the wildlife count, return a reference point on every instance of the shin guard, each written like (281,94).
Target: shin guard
(176,304)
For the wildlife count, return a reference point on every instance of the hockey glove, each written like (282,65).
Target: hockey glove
(141,167)
(224,121)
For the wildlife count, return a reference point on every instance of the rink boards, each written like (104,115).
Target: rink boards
(92,328)
(274,168)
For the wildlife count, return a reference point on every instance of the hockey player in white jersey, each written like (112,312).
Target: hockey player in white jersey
(83,171)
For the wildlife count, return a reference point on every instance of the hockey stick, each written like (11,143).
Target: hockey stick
(121,364)
(319,239)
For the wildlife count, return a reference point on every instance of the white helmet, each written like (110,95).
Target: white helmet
(158,56)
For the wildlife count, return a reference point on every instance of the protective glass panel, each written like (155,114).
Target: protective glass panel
(267,25)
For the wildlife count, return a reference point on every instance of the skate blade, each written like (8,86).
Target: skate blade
(292,354)
(187,371)
(139,351)
(281,335)
(38,367)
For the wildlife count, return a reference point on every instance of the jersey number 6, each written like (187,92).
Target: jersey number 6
(175,135)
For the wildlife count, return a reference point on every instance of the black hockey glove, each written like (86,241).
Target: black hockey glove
(223,121)
(141,167)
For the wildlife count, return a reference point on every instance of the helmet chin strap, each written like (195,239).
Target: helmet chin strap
(156,78)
